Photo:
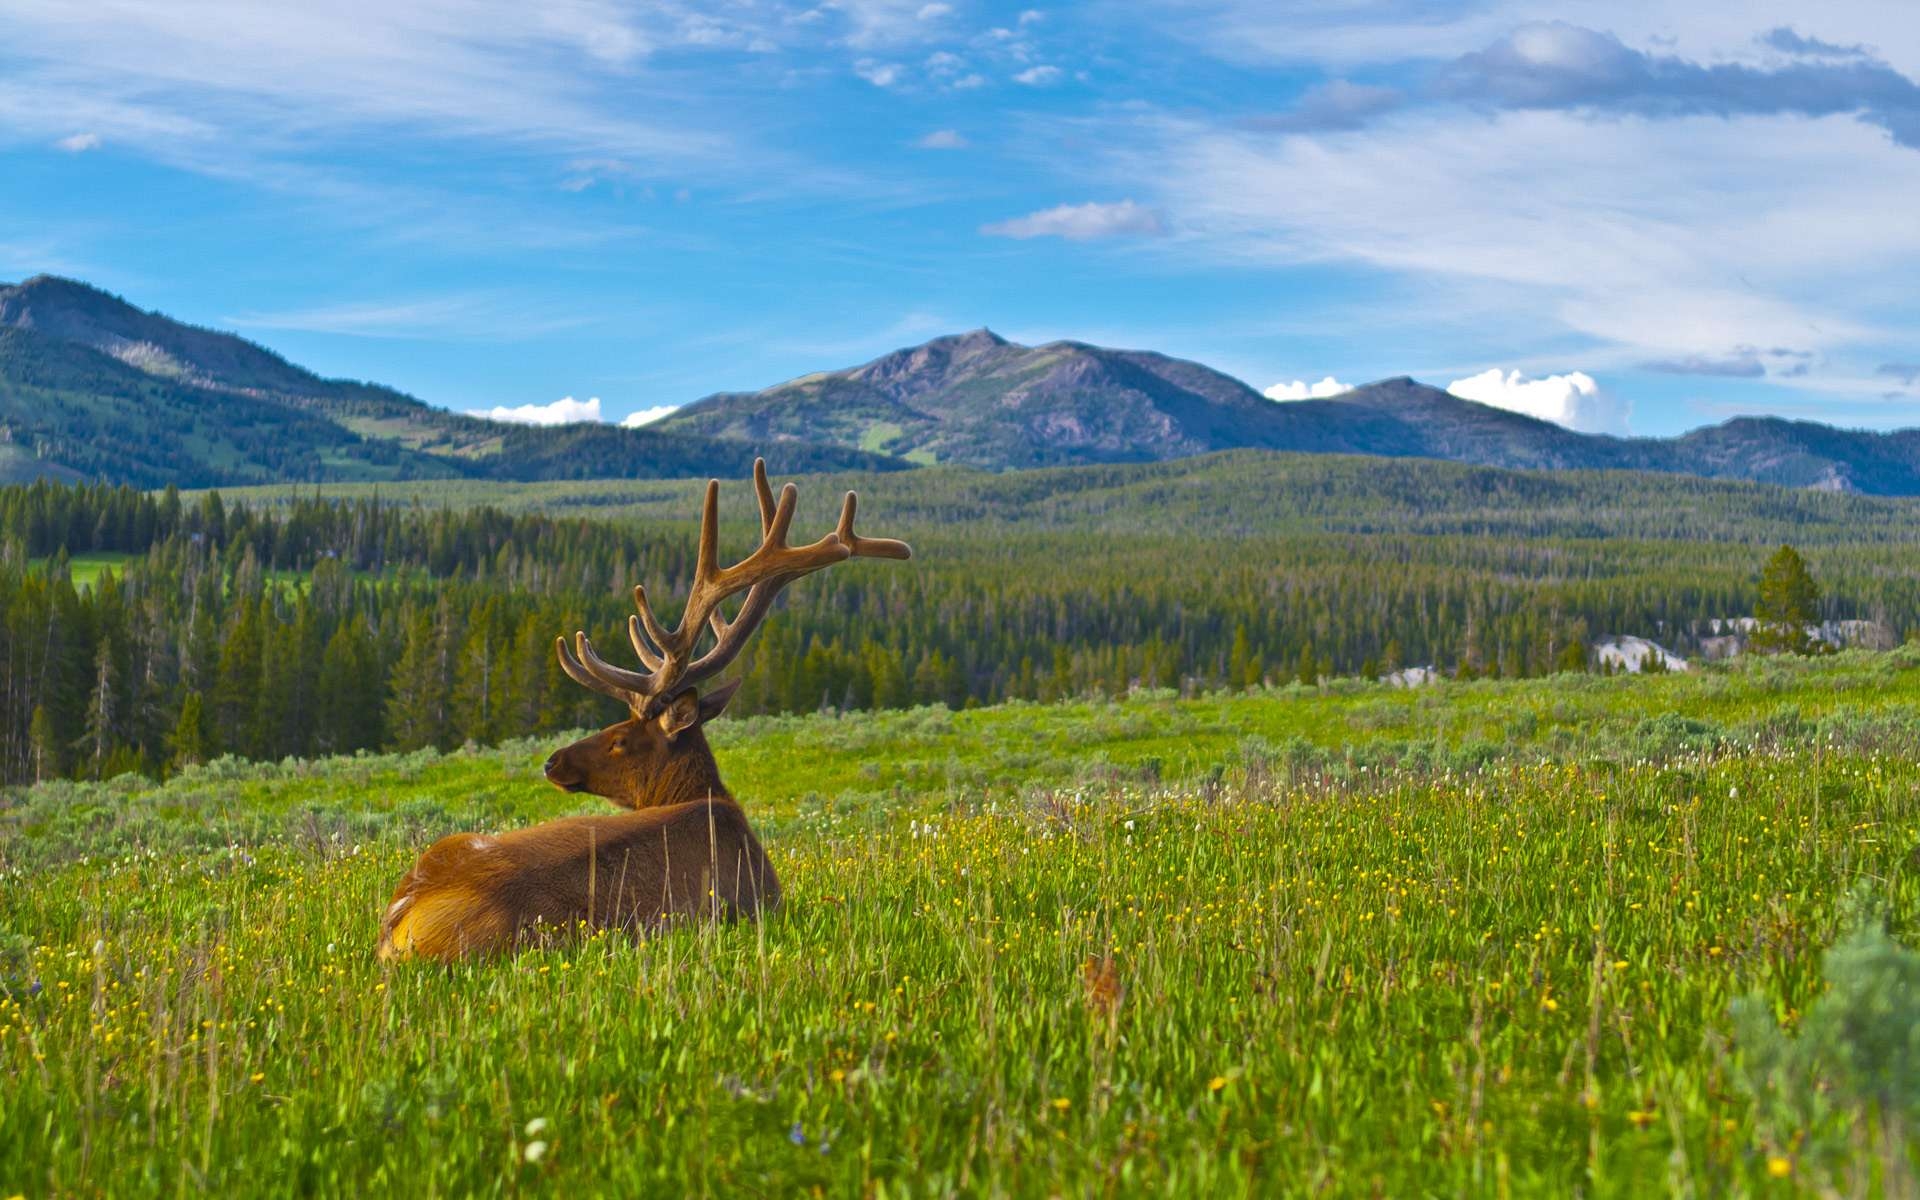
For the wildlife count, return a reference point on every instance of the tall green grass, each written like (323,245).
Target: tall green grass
(1475,939)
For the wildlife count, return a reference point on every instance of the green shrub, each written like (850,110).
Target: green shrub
(1843,1090)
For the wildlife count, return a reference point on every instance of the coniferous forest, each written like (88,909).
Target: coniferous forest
(145,631)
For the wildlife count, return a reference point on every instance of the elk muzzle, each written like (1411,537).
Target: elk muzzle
(562,774)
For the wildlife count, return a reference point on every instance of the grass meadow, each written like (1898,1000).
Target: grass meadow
(1475,939)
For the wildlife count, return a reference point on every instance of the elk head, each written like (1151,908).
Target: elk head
(658,754)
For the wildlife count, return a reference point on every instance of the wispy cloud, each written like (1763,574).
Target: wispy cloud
(1567,224)
(463,316)
(943,139)
(79,143)
(879,74)
(1906,372)
(1745,365)
(266,70)
(1339,104)
(1786,40)
(1083,222)
(1044,75)
(1743,362)
(1557,65)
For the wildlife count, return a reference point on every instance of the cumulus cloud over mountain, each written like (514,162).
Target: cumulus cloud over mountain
(1574,400)
(564,411)
(1300,389)
(568,411)
(648,416)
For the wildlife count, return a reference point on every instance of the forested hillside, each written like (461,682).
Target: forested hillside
(92,388)
(147,630)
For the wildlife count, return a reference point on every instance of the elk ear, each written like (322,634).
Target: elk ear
(715,702)
(683,710)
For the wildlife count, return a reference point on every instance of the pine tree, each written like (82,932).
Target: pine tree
(236,687)
(189,738)
(1238,657)
(101,716)
(1788,604)
(347,697)
(46,745)
(417,706)
(1573,656)
(1308,669)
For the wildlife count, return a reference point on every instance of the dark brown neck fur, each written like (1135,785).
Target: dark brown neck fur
(689,773)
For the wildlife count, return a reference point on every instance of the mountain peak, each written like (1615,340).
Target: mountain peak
(43,301)
(981,337)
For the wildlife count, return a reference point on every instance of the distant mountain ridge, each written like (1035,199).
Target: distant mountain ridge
(92,387)
(980,400)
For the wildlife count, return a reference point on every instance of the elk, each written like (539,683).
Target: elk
(685,849)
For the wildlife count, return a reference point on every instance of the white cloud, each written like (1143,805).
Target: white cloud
(943,139)
(564,411)
(1574,400)
(878,74)
(873,23)
(1300,389)
(568,411)
(1383,30)
(1041,76)
(1031,15)
(648,416)
(1553,223)
(220,74)
(1084,222)
(79,143)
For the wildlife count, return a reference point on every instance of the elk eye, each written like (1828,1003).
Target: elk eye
(616,750)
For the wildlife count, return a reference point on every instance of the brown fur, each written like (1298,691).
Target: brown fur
(685,850)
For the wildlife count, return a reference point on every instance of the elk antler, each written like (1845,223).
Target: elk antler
(668,654)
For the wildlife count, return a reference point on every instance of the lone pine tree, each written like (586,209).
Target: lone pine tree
(1788,604)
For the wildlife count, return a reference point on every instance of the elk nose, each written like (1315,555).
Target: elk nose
(552,762)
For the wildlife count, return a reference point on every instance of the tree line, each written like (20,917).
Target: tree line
(143,631)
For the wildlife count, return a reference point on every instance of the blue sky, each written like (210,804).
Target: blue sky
(1621,215)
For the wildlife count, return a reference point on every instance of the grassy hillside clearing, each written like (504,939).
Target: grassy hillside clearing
(1477,938)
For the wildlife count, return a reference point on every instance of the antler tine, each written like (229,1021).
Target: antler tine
(731,636)
(627,683)
(703,568)
(763,493)
(668,653)
(862,547)
(585,678)
(649,657)
(655,652)
(775,533)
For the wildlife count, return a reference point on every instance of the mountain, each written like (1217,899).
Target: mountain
(979,400)
(93,388)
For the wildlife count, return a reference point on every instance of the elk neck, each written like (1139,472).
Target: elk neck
(689,773)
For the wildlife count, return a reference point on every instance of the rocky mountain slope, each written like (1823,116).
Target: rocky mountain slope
(980,400)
